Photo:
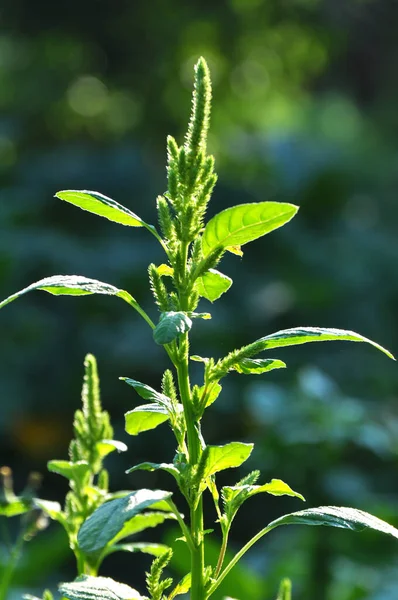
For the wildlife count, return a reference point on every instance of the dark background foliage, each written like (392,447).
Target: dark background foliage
(305,98)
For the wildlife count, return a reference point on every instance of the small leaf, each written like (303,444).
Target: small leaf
(108,520)
(197,358)
(257,366)
(336,516)
(212,395)
(14,507)
(165,270)
(302,335)
(105,447)
(71,470)
(171,325)
(146,547)
(244,223)
(148,393)
(145,417)
(72,285)
(149,466)
(52,509)
(86,587)
(234,496)
(213,284)
(218,458)
(182,586)
(101,205)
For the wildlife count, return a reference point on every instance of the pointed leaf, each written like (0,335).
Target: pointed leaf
(108,520)
(235,496)
(145,417)
(171,325)
(148,393)
(213,284)
(71,470)
(72,285)
(105,447)
(302,335)
(218,458)
(146,547)
(336,516)
(149,466)
(256,366)
(182,586)
(165,270)
(86,587)
(101,205)
(244,223)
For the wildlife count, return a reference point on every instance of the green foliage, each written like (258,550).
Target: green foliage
(95,520)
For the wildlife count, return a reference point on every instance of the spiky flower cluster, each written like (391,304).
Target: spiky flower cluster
(181,210)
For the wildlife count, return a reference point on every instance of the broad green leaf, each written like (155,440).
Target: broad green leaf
(16,506)
(213,284)
(141,522)
(149,466)
(336,516)
(302,335)
(244,223)
(101,205)
(256,366)
(148,393)
(170,326)
(71,470)
(234,496)
(104,447)
(182,586)
(109,519)
(145,417)
(72,285)
(218,458)
(87,587)
(146,547)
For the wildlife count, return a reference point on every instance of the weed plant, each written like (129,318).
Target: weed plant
(97,521)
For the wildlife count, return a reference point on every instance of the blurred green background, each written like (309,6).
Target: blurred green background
(305,97)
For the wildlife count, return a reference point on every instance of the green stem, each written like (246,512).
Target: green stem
(11,566)
(184,528)
(237,557)
(222,554)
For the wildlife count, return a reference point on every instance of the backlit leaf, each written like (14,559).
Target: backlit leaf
(149,466)
(213,284)
(148,393)
(101,205)
(256,366)
(336,516)
(72,285)
(303,335)
(71,470)
(141,522)
(146,547)
(218,458)
(145,417)
(105,447)
(109,519)
(244,223)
